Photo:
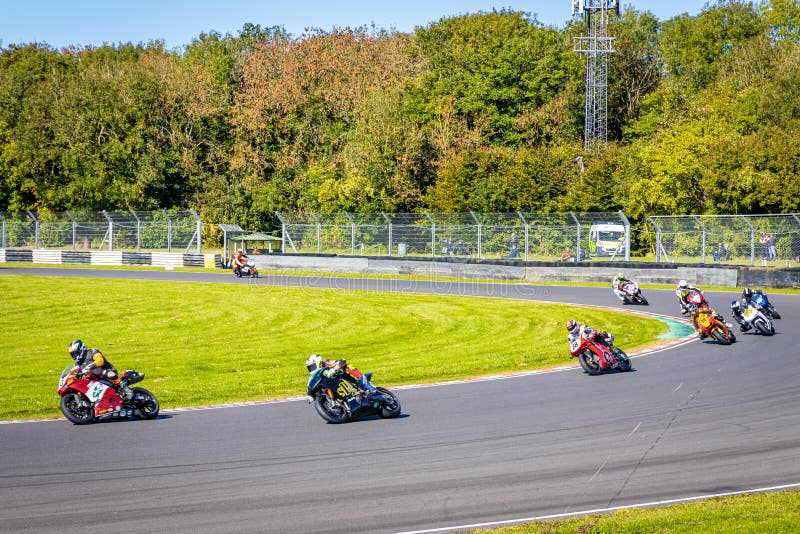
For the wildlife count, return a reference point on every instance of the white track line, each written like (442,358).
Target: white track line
(601,510)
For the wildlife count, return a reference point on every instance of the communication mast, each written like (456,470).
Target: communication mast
(596,47)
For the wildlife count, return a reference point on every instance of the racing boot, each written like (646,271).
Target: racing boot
(366,385)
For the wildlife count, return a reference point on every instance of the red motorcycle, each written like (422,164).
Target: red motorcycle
(709,322)
(89,399)
(596,357)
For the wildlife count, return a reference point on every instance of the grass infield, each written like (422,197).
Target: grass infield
(773,512)
(205,343)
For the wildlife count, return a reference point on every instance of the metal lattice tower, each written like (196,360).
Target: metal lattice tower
(596,46)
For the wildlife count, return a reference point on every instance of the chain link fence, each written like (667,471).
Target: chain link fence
(767,240)
(521,236)
(102,230)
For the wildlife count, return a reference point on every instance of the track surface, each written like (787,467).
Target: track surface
(693,420)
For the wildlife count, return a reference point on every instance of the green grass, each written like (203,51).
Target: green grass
(203,343)
(774,513)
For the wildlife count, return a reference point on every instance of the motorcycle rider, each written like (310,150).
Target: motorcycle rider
(92,362)
(239,260)
(618,285)
(576,330)
(682,291)
(737,310)
(335,367)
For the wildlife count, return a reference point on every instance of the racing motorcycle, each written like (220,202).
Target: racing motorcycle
(760,299)
(711,324)
(338,400)
(754,317)
(632,293)
(248,269)
(90,399)
(596,357)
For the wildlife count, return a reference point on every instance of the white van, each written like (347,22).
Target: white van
(606,239)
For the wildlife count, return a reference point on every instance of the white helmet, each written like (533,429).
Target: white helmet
(313,362)
(683,284)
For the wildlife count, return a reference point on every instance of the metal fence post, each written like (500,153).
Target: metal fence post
(319,232)
(138,231)
(703,241)
(198,230)
(4,231)
(110,232)
(74,230)
(352,234)
(627,224)
(658,239)
(480,251)
(578,244)
(35,227)
(525,223)
(389,224)
(433,235)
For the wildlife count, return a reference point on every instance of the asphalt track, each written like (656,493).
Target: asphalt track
(693,420)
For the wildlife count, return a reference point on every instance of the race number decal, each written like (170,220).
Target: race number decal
(95,391)
(574,344)
(345,389)
(704,320)
(749,312)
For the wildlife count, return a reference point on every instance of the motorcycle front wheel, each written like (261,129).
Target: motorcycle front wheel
(718,334)
(77,408)
(332,410)
(642,300)
(391,406)
(624,361)
(589,363)
(146,403)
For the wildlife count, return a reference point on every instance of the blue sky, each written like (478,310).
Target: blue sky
(176,22)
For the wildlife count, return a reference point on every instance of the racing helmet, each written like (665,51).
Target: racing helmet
(747,293)
(620,277)
(77,349)
(683,284)
(313,362)
(572,326)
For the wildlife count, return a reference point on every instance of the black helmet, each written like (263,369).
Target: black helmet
(747,293)
(77,349)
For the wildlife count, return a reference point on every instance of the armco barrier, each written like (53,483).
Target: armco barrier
(648,273)
(72,257)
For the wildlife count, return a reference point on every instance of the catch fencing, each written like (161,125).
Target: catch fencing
(768,240)
(521,236)
(103,230)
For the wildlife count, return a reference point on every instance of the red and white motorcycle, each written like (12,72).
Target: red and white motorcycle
(89,399)
(596,357)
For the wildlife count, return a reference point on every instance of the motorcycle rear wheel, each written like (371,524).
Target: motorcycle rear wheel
(391,406)
(77,408)
(146,403)
(589,364)
(333,411)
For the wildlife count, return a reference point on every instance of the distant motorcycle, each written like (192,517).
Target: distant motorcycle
(595,357)
(89,399)
(760,299)
(752,317)
(632,294)
(248,269)
(337,400)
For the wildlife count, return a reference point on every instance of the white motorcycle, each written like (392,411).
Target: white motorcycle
(751,317)
(632,294)
(248,269)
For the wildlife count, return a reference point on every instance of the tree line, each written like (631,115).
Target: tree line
(479,112)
